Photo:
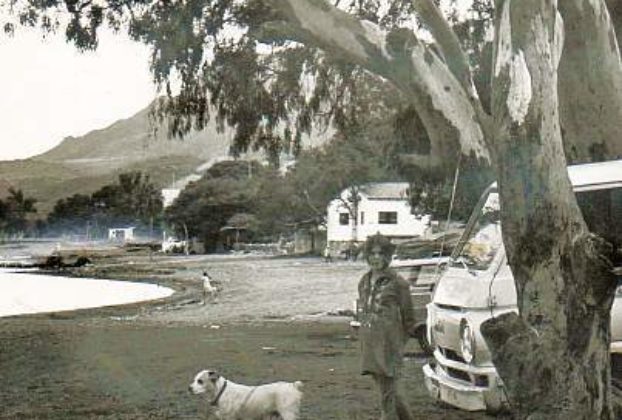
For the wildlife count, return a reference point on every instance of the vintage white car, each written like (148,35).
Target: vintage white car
(477,284)
(173,246)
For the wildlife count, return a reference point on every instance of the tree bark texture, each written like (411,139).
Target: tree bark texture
(590,83)
(554,355)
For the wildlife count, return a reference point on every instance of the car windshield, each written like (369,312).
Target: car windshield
(482,238)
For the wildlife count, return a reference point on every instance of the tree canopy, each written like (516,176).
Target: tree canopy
(132,200)
(206,206)
(14,212)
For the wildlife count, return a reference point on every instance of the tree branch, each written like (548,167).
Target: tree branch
(450,112)
(447,41)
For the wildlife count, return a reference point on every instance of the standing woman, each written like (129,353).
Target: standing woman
(387,321)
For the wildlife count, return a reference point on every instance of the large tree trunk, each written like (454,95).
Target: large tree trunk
(553,356)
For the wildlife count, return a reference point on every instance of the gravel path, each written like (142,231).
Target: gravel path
(270,288)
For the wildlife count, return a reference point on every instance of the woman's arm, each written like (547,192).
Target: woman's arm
(406,307)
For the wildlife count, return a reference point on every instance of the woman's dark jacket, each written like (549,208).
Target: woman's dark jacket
(387,320)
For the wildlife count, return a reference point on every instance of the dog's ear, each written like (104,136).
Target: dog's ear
(213,376)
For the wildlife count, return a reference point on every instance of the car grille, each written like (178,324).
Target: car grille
(458,374)
(461,374)
(451,355)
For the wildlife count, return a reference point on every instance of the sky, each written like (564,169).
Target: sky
(49,90)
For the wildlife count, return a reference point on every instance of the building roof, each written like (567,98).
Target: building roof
(391,190)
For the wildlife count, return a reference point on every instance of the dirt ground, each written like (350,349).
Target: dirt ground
(274,319)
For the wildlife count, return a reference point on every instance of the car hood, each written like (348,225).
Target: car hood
(459,288)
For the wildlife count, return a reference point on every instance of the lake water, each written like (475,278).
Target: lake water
(27,293)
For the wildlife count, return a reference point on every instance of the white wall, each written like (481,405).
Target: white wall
(407,223)
(125,234)
(335,231)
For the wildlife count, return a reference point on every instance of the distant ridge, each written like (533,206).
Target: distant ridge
(84,164)
(133,139)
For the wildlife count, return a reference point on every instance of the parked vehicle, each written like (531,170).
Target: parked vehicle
(478,284)
(174,246)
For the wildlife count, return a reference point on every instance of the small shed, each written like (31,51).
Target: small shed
(123,234)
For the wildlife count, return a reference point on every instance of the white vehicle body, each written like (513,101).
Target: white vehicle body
(172,245)
(478,284)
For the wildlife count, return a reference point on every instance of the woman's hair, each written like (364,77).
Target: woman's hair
(386,247)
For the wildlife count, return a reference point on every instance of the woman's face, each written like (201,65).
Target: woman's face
(376,259)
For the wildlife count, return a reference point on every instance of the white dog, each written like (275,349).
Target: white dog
(280,400)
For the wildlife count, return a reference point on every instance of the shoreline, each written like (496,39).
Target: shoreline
(179,273)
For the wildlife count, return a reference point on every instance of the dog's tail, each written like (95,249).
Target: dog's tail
(298,385)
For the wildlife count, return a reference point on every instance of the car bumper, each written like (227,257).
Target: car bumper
(464,396)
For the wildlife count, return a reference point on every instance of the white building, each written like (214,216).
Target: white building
(121,234)
(383,207)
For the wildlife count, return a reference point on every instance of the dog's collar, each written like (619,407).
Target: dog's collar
(215,401)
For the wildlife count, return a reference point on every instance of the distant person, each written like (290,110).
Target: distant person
(353,251)
(387,321)
(208,289)
(328,256)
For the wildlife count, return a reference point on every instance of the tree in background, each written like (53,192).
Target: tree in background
(432,192)
(204,207)
(556,96)
(14,212)
(71,215)
(351,159)
(132,200)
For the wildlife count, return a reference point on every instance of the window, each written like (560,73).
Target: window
(387,217)
(344,218)
(483,236)
(600,208)
(362,217)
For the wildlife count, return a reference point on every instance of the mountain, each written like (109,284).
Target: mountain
(84,164)
(134,140)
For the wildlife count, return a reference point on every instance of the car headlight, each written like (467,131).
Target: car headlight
(467,341)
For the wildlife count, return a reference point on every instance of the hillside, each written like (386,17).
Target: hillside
(133,140)
(84,164)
